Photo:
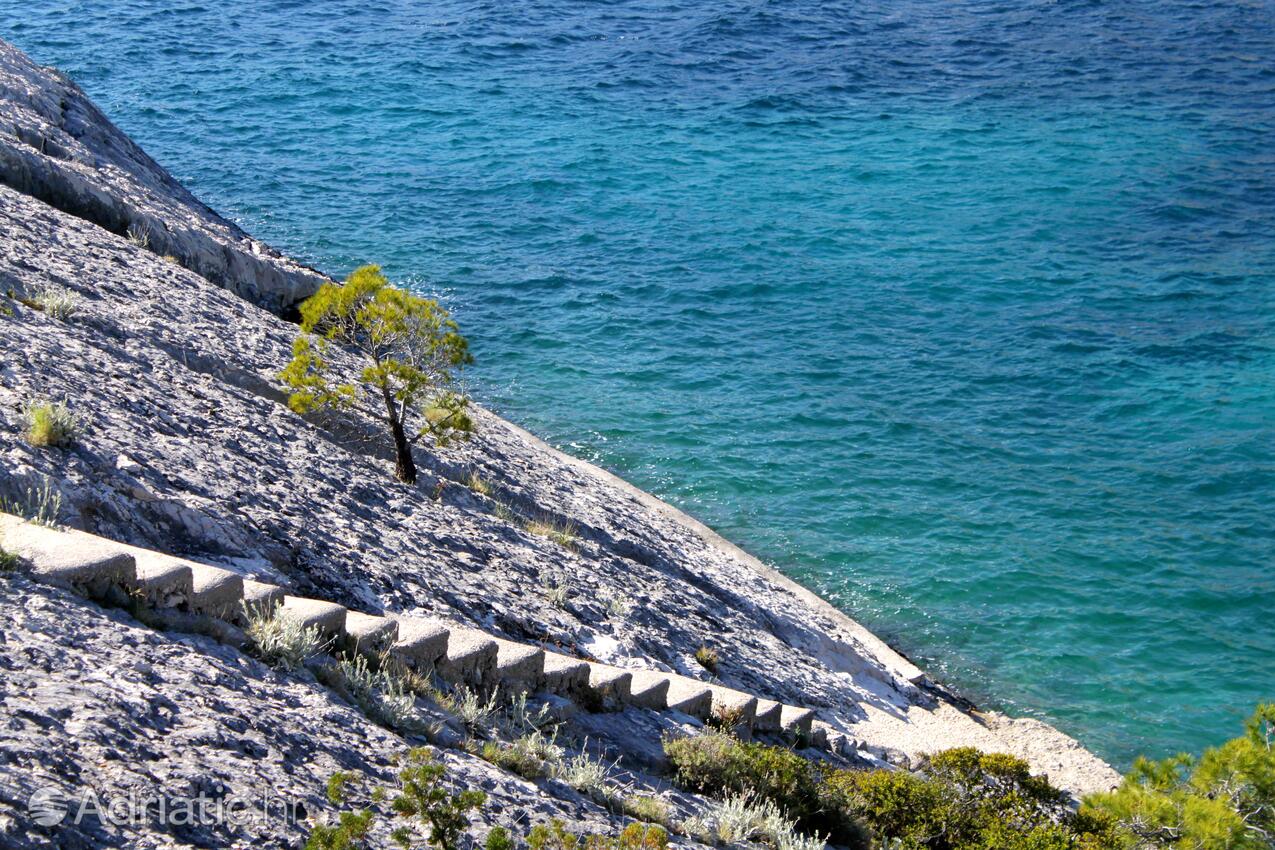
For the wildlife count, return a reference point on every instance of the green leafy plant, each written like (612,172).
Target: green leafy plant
(424,799)
(51,424)
(348,833)
(964,799)
(8,561)
(410,349)
(1223,800)
(499,839)
(717,764)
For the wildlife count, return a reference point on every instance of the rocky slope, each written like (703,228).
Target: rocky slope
(189,448)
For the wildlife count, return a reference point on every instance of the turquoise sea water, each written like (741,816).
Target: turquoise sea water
(961,313)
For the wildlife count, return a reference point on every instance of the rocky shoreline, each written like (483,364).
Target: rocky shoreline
(170,361)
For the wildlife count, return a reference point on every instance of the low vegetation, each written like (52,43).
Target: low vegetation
(8,561)
(56,302)
(562,533)
(719,765)
(708,658)
(428,814)
(139,236)
(41,505)
(959,799)
(279,640)
(409,351)
(383,696)
(478,484)
(50,424)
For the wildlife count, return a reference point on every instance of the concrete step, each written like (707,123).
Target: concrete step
(766,718)
(470,656)
(369,633)
(649,689)
(797,720)
(72,559)
(689,696)
(610,684)
(518,665)
(728,702)
(564,675)
(162,580)
(261,596)
(421,643)
(215,592)
(327,617)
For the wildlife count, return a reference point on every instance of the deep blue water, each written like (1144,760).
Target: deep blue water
(959,312)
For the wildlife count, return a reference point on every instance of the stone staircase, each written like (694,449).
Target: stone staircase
(98,568)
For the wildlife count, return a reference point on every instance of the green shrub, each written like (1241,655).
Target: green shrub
(708,658)
(719,765)
(635,836)
(349,832)
(964,799)
(1225,800)
(424,799)
(50,424)
(647,808)
(8,561)
(499,839)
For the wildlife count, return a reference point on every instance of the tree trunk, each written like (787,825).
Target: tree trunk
(404,466)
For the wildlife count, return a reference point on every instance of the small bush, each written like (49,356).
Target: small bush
(742,819)
(50,424)
(499,839)
(708,658)
(279,640)
(349,833)
(648,808)
(589,776)
(963,799)
(717,764)
(635,836)
(557,594)
(8,561)
(423,798)
(55,301)
(382,696)
(40,505)
(472,710)
(531,755)
(617,606)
